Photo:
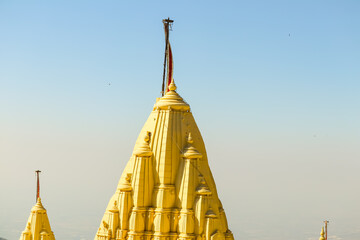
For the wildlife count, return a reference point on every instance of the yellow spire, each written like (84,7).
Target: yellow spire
(38,225)
(144,148)
(202,188)
(167,190)
(322,234)
(190,151)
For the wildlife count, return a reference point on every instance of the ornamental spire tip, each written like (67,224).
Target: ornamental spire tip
(172,86)
(190,139)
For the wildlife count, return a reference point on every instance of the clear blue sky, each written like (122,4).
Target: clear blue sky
(274,87)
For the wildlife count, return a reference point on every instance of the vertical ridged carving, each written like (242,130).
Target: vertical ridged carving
(172,193)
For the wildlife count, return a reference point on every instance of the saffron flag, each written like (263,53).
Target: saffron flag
(169,67)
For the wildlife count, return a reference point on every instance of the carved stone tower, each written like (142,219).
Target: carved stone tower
(38,225)
(167,191)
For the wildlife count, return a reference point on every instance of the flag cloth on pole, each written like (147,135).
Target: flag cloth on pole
(170,67)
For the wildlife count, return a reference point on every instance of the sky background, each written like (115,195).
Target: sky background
(273,85)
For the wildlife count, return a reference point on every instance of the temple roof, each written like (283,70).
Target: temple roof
(167,188)
(38,225)
(172,100)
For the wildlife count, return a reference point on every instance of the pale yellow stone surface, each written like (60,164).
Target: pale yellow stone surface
(38,225)
(166,191)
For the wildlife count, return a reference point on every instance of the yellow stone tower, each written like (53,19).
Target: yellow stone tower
(167,190)
(38,225)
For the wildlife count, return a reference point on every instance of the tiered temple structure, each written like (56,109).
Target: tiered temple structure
(167,191)
(38,225)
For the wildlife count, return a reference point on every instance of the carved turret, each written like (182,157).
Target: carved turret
(38,225)
(126,203)
(211,224)
(188,176)
(142,185)
(201,206)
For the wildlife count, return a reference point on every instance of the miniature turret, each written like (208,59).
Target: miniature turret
(203,194)
(142,185)
(188,179)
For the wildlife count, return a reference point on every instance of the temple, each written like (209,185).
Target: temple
(38,225)
(166,191)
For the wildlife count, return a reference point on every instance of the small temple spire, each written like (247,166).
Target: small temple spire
(190,151)
(38,225)
(144,148)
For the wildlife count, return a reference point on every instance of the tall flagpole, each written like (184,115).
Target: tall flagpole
(326,222)
(167,22)
(37,172)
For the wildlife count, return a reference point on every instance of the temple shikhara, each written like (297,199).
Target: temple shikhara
(38,225)
(166,191)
